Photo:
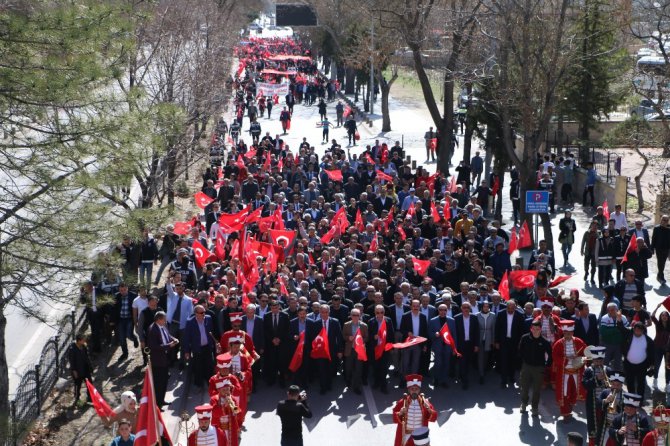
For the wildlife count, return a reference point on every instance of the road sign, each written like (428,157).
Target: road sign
(537,202)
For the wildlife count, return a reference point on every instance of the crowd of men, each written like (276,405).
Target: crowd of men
(362,267)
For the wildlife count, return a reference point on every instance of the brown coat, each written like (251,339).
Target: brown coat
(346,333)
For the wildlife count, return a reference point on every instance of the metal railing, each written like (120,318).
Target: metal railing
(606,163)
(38,381)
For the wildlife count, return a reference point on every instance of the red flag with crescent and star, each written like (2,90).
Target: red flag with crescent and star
(513,242)
(448,339)
(203,200)
(416,340)
(383,176)
(382,332)
(359,221)
(523,278)
(334,175)
(503,288)
(101,406)
(296,360)
(524,236)
(277,235)
(421,266)
(359,346)
(632,246)
(200,253)
(328,236)
(320,347)
(149,427)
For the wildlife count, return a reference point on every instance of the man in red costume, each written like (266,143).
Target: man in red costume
(206,435)
(551,331)
(223,365)
(568,368)
(226,414)
(659,436)
(236,331)
(411,412)
(240,365)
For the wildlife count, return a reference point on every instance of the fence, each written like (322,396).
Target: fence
(38,382)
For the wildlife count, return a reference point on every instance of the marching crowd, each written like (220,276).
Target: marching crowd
(305,267)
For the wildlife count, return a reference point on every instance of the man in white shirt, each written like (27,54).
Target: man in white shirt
(619,218)
(638,350)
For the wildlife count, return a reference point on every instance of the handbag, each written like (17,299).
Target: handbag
(357,136)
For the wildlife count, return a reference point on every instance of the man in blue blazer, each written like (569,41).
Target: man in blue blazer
(198,346)
(252,324)
(325,368)
(586,325)
(297,326)
(380,367)
(442,351)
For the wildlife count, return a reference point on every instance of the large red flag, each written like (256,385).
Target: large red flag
(446,210)
(452,185)
(523,278)
(416,340)
(380,348)
(383,176)
(448,339)
(341,219)
(431,183)
(266,164)
(328,236)
(101,407)
(296,361)
(524,236)
(434,213)
(200,253)
(359,346)
(421,266)
(320,347)
(149,426)
(606,210)
(240,162)
(202,200)
(230,223)
(503,288)
(513,242)
(254,216)
(401,231)
(632,246)
(219,248)
(334,175)
(278,220)
(278,235)
(558,281)
(182,227)
(359,221)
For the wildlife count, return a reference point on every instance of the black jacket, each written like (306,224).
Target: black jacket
(649,361)
(501,328)
(79,360)
(291,413)
(660,238)
(590,336)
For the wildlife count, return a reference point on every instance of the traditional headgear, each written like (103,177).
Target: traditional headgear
(414,380)
(661,414)
(631,399)
(221,383)
(595,352)
(204,412)
(236,340)
(614,375)
(235,317)
(546,303)
(420,436)
(223,360)
(126,398)
(567,325)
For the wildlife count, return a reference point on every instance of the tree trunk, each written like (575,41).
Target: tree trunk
(171,174)
(386,115)
(5,416)
(467,139)
(349,81)
(638,182)
(447,128)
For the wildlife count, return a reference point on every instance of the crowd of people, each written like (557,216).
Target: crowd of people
(303,268)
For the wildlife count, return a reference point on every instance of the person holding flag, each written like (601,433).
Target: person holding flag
(302,331)
(355,334)
(443,346)
(327,348)
(381,332)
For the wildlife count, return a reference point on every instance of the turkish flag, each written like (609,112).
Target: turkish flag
(503,288)
(446,210)
(432,144)
(230,223)
(359,221)
(374,244)
(523,278)
(240,162)
(383,176)
(448,339)
(513,242)
(253,216)
(265,223)
(496,186)
(250,154)
(416,340)
(380,348)
(219,173)
(431,183)
(411,211)
(334,175)
(452,184)
(101,407)
(296,360)
(266,164)
(632,246)
(666,303)
(606,210)
(203,200)
(282,286)
(369,159)
(524,236)
(341,219)
(201,254)
(280,164)
(359,346)
(279,235)
(182,227)
(558,281)
(401,231)
(219,248)
(328,236)
(320,347)
(434,213)
(149,426)
(421,266)
(278,220)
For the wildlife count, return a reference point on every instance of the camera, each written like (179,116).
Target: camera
(303,395)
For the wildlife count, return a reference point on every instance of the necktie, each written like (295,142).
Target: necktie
(275,321)
(176,316)
(166,338)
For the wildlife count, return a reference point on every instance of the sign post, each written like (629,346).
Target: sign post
(537,202)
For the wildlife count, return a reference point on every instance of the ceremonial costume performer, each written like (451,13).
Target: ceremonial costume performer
(226,413)
(659,436)
(412,411)
(630,427)
(223,365)
(206,435)
(594,381)
(240,365)
(236,331)
(568,365)
(611,404)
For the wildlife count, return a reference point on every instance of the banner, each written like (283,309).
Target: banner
(268,89)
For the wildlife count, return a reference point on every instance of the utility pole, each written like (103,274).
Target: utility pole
(372,67)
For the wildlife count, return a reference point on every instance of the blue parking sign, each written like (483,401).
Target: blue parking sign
(537,202)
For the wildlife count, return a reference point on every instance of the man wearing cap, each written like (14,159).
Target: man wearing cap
(223,372)
(658,436)
(226,413)
(568,360)
(412,411)
(236,331)
(206,435)
(631,426)
(594,381)
(610,403)
(240,364)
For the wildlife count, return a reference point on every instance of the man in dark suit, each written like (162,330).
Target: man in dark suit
(640,231)
(297,326)
(510,327)
(275,328)
(413,323)
(467,341)
(442,351)
(586,325)
(325,368)
(397,310)
(380,367)
(198,345)
(160,342)
(252,324)
(123,319)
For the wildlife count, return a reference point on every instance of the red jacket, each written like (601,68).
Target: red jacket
(220,437)
(429,414)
